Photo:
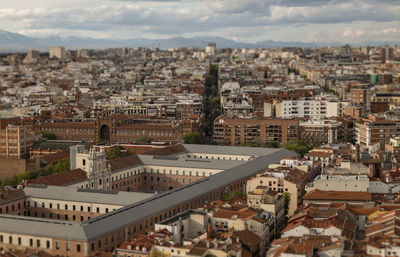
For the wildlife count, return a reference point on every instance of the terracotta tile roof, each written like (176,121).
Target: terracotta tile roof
(248,238)
(363,211)
(197,251)
(124,162)
(60,179)
(337,195)
(8,194)
(223,213)
(324,217)
(56,157)
(319,154)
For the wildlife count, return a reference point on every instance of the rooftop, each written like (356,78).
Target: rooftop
(120,198)
(112,221)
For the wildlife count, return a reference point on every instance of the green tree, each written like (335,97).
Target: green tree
(47,135)
(298,146)
(227,197)
(211,102)
(273,144)
(116,153)
(286,195)
(144,140)
(60,166)
(192,138)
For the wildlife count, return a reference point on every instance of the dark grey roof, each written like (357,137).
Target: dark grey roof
(103,224)
(112,221)
(55,144)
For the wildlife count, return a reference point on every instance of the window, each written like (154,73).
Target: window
(47,244)
(78,248)
(19,240)
(83,162)
(97,209)
(10,239)
(31,242)
(67,247)
(38,243)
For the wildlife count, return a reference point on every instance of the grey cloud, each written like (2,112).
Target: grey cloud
(202,16)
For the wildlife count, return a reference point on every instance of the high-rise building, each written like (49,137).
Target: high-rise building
(211,48)
(387,53)
(57,52)
(32,57)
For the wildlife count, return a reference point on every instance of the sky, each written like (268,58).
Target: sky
(323,21)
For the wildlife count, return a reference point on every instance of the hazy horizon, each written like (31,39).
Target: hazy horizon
(250,21)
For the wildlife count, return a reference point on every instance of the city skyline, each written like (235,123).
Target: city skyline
(244,21)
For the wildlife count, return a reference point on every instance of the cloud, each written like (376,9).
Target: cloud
(294,20)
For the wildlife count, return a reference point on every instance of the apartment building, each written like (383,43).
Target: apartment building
(325,182)
(322,220)
(224,219)
(376,129)
(270,201)
(16,141)
(237,131)
(319,132)
(57,52)
(305,108)
(380,102)
(282,180)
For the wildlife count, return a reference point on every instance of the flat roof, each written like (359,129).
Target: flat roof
(229,150)
(181,161)
(40,227)
(120,218)
(74,194)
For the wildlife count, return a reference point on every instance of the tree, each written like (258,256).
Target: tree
(144,140)
(116,153)
(298,146)
(211,101)
(60,166)
(227,197)
(48,135)
(192,138)
(255,142)
(273,144)
(286,195)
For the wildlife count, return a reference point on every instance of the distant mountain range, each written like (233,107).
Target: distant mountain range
(17,42)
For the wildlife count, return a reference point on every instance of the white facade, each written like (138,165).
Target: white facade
(325,182)
(301,108)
